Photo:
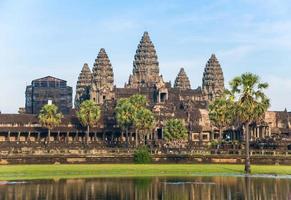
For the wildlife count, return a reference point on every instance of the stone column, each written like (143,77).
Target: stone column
(58,136)
(28,137)
(8,136)
(103,136)
(77,136)
(38,136)
(263,131)
(18,136)
(95,136)
(67,137)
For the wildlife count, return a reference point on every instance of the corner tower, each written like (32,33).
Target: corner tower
(182,80)
(102,82)
(83,85)
(213,80)
(145,65)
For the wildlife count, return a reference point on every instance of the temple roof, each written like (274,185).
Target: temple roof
(182,80)
(213,80)
(102,71)
(49,78)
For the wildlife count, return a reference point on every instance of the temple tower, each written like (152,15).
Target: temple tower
(182,80)
(102,82)
(145,65)
(213,80)
(83,85)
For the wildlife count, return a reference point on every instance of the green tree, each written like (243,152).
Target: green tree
(175,130)
(125,113)
(221,113)
(138,101)
(142,155)
(89,115)
(250,105)
(144,121)
(49,117)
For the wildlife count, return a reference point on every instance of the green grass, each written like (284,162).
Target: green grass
(24,172)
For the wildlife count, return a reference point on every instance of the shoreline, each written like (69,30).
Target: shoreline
(64,171)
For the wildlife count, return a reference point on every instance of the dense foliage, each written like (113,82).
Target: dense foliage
(175,130)
(89,115)
(142,155)
(132,113)
(49,117)
(221,113)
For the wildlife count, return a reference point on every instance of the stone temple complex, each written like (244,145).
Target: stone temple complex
(166,101)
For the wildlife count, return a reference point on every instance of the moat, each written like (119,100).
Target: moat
(127,188)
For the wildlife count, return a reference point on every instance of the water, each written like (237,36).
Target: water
(144,188)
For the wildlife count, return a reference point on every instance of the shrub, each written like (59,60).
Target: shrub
(142,156)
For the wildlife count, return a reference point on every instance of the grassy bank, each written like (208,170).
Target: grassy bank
(18,172)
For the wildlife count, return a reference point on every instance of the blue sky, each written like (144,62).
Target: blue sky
(53,37)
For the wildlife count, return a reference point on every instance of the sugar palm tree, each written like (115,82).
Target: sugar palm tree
(251,104)
(49,118)
(175,130)
(144,121)
(89,115)
(221,113)
(125,112)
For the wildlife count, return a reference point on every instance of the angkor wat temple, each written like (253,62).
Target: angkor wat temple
(164,99)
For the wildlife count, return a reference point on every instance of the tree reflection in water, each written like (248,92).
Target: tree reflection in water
(212,187)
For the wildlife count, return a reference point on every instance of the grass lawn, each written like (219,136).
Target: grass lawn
(18,172)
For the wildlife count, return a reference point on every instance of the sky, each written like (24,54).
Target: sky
(54,37)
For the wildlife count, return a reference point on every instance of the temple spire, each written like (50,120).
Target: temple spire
(213,80)
(103,78)
(83,85)
(182,80)
(145,65)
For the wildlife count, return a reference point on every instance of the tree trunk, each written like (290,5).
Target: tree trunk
(48,135)
(247,149)
(220,135)
(136,138)
(126,135)
(87,134)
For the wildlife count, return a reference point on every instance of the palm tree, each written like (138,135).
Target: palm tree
(221,113)
(144,120)
(175,130)
(125,112)
(89,115)
(49,118)
(250,104)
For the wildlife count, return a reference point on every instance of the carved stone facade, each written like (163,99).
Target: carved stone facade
(145,65)
(213,80)
(83,85)
(48,89)
(166,101)
(103,79)
(182,80)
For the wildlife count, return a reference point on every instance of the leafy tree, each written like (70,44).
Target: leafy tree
(221,113)
(125,112)
(49,117)
(144,120)
(131,112)
(250,104)
(138,101)
(142,156)
(89,115)
(175,130)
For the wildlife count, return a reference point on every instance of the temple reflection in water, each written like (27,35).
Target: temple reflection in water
(146,188)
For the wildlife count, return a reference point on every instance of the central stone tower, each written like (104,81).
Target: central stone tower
(145,65)
(213,80)
(102,82)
